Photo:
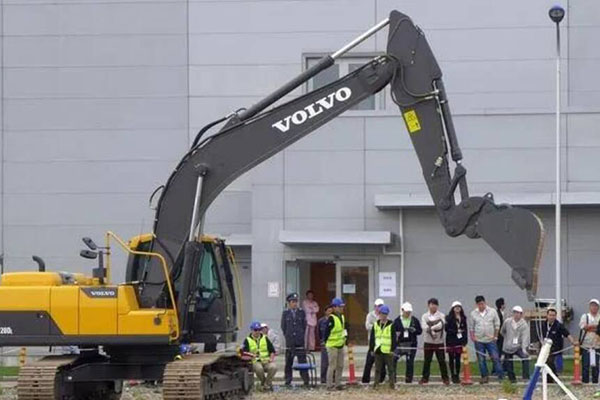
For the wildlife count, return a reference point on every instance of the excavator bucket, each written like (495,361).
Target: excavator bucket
(517,235)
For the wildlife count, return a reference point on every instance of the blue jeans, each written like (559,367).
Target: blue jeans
(491,348)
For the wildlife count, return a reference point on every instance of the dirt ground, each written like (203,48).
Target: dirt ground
(475,392)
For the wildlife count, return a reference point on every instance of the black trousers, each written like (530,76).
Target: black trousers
(410,362)
(289,361)
(324,363)
(366,378)
(438,349)
(454,363)
(585,362)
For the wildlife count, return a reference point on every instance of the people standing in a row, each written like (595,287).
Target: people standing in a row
(370,320)
(293,327)
(484,329)
(311,308)
(382,344)
(432,323)
(456,338)
(515,331)
(323,323)
(589,343)
(408,328)
(335,341)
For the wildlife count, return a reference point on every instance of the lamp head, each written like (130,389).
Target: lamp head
(556,13)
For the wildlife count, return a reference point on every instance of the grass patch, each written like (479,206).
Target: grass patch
(435,369)
(9,371)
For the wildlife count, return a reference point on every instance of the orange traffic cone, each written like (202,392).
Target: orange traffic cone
(466,366)
(351,371)
(576,366)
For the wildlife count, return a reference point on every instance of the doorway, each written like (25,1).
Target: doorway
(352,281)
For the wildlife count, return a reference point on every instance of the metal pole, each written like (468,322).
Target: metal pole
(360,39)
(556,14)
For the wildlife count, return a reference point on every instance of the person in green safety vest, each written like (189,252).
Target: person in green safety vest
(259,349)
(382,344)
(335,340)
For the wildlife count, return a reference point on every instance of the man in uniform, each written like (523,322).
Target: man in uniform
(260,350)
(293,328)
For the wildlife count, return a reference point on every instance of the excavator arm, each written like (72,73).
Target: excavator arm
(252,136)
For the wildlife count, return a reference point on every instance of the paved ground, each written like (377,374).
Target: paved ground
(410,392)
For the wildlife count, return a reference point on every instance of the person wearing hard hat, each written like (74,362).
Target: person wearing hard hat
(259,349)
(382,344)
(370,320)
(456,338)
(408,328)
(591,347)
(515,331)
(335,340)
(272,335)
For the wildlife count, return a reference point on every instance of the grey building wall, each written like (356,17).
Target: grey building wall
(95,98)
(101,98)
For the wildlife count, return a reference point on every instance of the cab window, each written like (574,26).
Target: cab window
(209,286)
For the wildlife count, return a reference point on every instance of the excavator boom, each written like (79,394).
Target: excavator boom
(251,136)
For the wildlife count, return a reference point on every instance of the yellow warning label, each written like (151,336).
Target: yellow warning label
(412,121)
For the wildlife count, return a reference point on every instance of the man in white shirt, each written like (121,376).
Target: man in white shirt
(370,320)
(590,346)
(484,328)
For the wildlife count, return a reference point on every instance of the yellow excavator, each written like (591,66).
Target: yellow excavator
(180,284)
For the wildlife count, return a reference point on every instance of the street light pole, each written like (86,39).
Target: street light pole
(557,13)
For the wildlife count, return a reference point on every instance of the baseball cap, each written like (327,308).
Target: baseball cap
(337,302)
(517,309)
(379,302)
(407,307)
(595,301)
(384,310)
(456,303)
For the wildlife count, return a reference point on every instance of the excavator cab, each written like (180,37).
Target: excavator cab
(214,318)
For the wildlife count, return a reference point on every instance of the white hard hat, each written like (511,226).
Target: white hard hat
(263,325)
(407,307)
(517,309)
(379,302)
(456,303)
(595,301)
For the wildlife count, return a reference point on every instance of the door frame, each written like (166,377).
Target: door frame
(339,264)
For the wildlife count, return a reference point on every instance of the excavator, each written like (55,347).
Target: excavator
(180,284)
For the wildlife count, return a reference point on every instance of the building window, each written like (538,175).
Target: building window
(342,67)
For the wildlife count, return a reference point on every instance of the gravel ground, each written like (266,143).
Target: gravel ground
(491,392)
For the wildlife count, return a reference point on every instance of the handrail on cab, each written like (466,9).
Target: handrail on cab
(163,262)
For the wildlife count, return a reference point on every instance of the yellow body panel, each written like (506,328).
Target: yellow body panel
(147,322)
(97,316)
(31,279)
(24,298)
(64,308)
(126,300)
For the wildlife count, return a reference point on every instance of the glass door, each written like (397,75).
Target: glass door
(354,283)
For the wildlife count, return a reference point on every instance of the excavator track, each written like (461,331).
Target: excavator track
(39,380)
(206,377)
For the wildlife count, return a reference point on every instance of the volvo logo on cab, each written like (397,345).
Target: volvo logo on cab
(313,109)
